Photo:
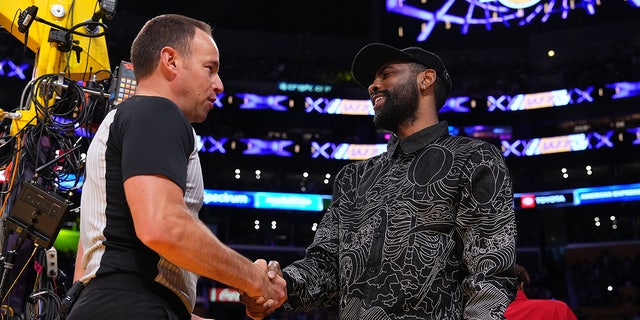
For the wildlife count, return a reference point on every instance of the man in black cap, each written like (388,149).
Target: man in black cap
(424,231)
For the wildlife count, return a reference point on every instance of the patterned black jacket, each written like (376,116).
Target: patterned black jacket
(424,231)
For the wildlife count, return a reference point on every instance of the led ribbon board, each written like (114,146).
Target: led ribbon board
(625,89)
(319,202)
(577,197)
(10,69)
(304,87)
(266,200)
(548,145)
(365,107)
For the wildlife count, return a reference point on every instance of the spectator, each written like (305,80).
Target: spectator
(535,309)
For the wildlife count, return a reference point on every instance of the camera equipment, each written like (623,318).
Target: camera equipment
(37,213)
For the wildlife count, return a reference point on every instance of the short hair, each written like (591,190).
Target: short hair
(441,92)
(440,89)
(523,275)
(172,30)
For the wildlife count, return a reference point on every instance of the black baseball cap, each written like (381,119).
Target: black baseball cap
(374,55)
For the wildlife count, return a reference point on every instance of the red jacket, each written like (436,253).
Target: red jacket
(523,308)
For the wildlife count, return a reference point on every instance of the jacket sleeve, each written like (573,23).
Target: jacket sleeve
(487,230)
(313,281)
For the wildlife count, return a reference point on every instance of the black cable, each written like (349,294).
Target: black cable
(43,303)
(73,28)
(60,108)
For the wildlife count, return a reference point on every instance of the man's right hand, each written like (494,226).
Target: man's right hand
(258,308)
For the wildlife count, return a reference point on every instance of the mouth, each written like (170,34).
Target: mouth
(377,101)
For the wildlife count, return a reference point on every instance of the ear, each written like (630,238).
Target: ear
(168,59)
(426,78)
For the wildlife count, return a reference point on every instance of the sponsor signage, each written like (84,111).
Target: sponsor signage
(224,295)
(577,197)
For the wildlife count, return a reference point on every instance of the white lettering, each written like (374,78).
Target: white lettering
(596,195)
(288,201)
(556,198)
(226,197)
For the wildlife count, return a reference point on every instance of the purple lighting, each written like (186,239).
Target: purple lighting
(486,12)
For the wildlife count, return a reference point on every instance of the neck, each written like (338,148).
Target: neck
(415,126)
(143,89)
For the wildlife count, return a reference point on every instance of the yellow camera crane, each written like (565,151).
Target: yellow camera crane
(66,37)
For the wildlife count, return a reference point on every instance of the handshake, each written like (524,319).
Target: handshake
(275,293)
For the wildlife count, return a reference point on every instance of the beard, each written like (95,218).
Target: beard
(400,105)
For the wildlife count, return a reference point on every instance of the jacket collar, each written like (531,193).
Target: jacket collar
(416,141)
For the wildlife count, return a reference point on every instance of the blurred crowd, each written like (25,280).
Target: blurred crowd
(606,281)
(475,76)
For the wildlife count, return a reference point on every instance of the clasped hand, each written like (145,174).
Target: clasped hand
(260,307)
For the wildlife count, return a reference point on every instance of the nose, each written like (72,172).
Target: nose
(373,88)
(217,85)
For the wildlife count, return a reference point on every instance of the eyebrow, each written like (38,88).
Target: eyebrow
(215,63)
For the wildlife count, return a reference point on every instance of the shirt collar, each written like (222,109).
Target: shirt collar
(417,140)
